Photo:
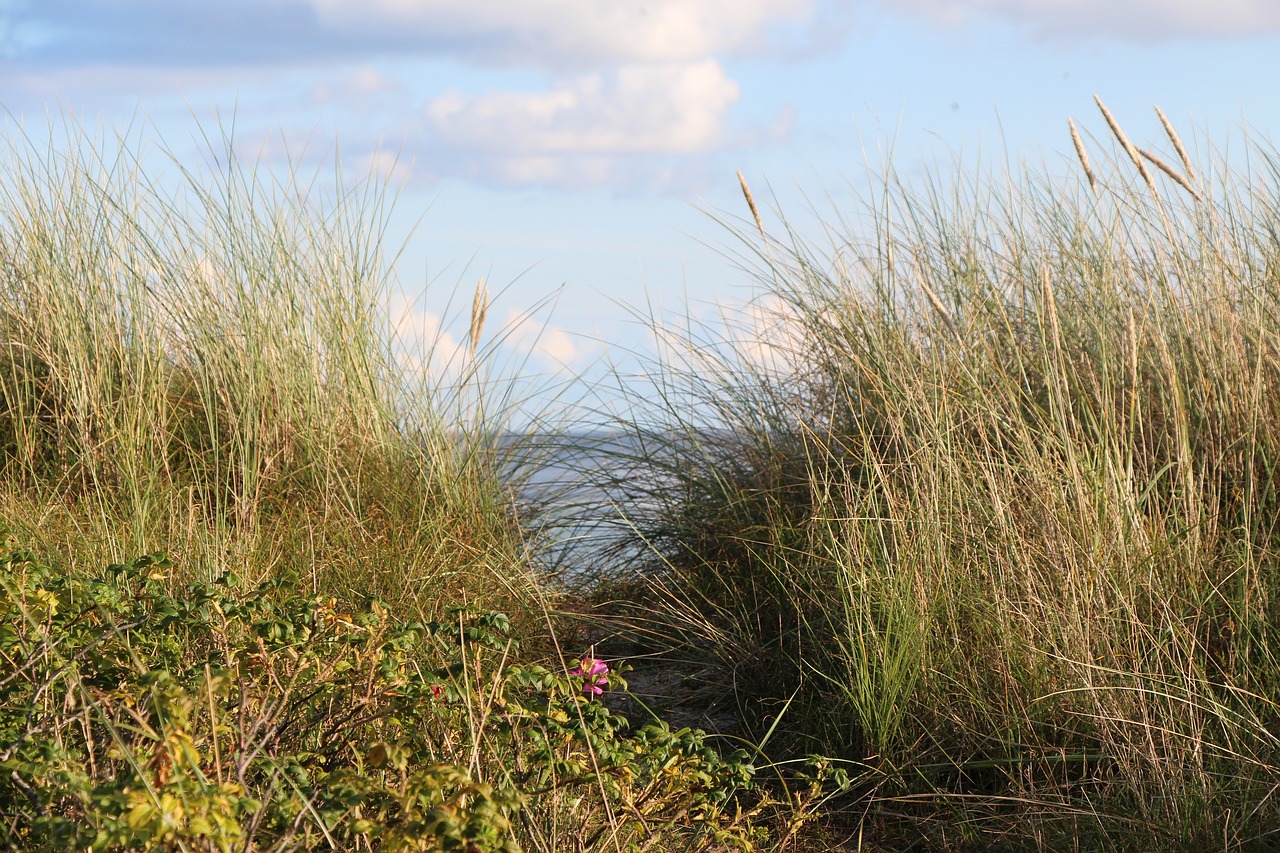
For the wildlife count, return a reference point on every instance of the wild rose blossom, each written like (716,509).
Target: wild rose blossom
(596,672)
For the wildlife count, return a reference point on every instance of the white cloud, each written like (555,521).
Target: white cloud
(550,345)
(363,82)
(427,351)
(663,109)
(1138,20)
(572,33)
(638,127)
(391,166)
(763,336)
(637,92)
(638,98)
(767,334)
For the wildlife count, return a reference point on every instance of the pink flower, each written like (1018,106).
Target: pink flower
(596,672)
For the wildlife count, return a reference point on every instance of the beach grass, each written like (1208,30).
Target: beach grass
(981,498)
(978,501)
(203,363)
(267,580)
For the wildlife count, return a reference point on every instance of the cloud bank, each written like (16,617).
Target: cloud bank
(628,91)
(1133,20)
(559,35)
(583,127)
(670,109)
(633,95)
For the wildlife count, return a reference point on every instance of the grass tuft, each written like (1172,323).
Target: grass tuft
(1004,535)
(202,362)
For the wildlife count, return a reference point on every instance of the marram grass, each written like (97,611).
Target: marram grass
(265,583)
(202,363)
(996,522)
(988,516)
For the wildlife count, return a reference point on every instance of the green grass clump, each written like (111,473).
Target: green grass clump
(201,362)
(992,511)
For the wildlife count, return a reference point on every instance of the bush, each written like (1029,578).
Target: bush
(256,718)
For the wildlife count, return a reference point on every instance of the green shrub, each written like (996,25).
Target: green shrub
(243,719)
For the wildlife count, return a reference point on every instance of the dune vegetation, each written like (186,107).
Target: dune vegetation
(964,538)
(989,512)
(265,582)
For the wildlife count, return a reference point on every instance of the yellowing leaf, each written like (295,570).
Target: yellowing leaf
(140,816)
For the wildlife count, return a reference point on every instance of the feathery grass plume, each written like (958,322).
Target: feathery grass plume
(751,202)
(479,309)
(1084,157)
(1170,171)
(1128,146)
(1177,146)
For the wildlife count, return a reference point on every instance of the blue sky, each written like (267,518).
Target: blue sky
(570,148)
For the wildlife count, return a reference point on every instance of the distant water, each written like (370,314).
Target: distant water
(572,481)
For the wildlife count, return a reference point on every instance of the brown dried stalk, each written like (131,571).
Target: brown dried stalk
(1170,171)
(479,308)
(938,307)
(751,202)
(1128,146)
(1177,146)
(1084,157)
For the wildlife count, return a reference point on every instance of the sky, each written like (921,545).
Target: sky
(581,155)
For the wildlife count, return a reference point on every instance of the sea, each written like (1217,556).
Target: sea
(585,495)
